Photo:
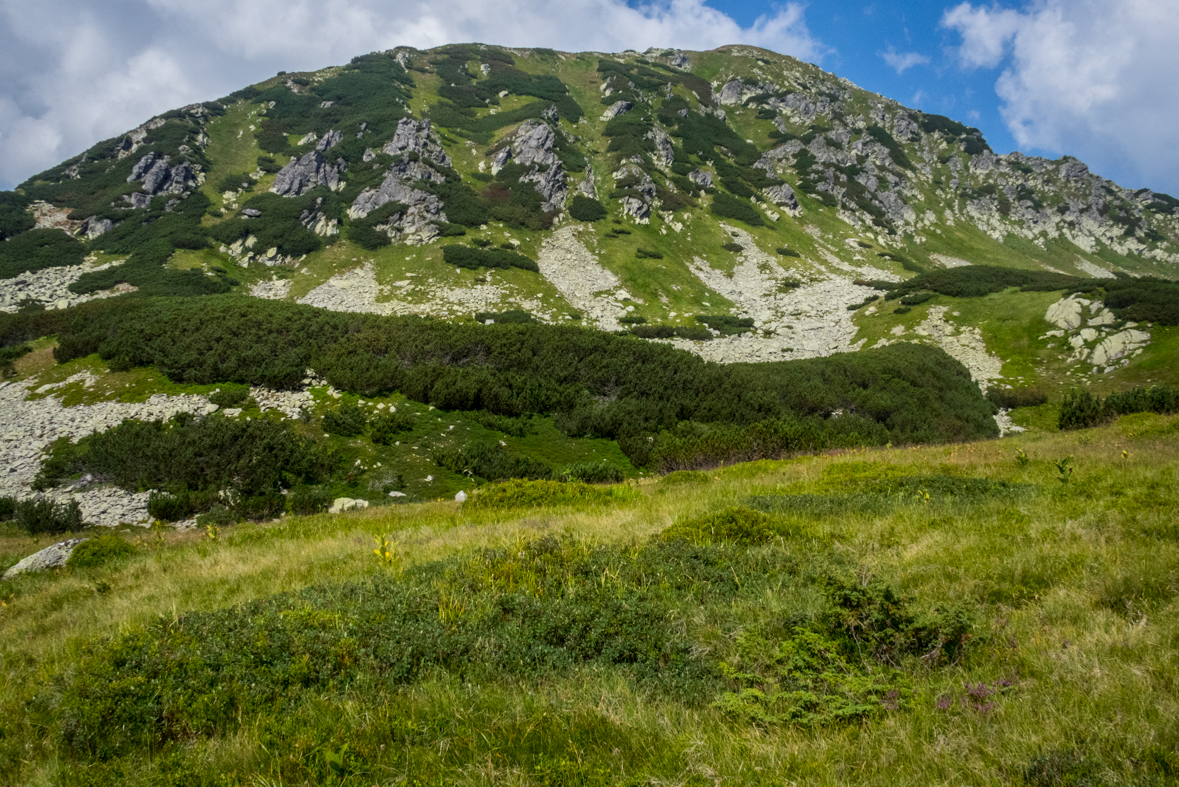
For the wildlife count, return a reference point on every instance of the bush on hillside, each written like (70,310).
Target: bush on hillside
(470,257)
(384,427)
(42,516)
(1012,398)
(585,208)
(36,250)
(98,551)
(729,207)
(347,420)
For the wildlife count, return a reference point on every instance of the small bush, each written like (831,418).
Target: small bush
(217,516)
(728,325)
(785,252)
(384,427)
(1081,410)
(307,500)
(172,507)
(8,355)
(584,208)
(99,551)
(916,298)
(902,310)
(39,249)
(510,317)
(733,247)
(647,254)
(7,508)
(482,243)
(231,396)
(1011,398)
(45,516)
(733,526)
(347,420)
(594,473)
(471,257)
(632,319)
(729,207)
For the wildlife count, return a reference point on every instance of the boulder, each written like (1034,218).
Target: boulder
(664,148)
(701,178)
(680,60)
(784,196)
(342,504)
(1067,313)
(461,497)
(50,557)
(616,109)
(415,136)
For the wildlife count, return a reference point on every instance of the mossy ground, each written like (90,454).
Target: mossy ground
(1071,671)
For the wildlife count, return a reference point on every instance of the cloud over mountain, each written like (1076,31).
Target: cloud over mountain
(74,73)
(1091,78)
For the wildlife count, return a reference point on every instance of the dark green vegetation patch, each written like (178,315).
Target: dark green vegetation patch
(596,384)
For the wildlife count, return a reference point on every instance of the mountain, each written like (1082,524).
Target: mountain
(554,250)
(657,189)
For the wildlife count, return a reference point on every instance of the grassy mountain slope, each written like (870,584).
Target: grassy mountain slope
(962,617)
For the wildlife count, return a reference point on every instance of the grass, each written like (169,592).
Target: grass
(1072,587)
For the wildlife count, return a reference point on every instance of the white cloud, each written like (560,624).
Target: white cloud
(1090,78)
(902,61)
(71,74)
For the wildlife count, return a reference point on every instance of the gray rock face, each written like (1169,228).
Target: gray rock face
(587,186)
(616,109)
(632,177)
(664,148)
(680,60)
(532,145)
(735,91)
(311,170)
(415,136)
(93,227)
(782,195)
(701,178)
(50,557)
(159,177)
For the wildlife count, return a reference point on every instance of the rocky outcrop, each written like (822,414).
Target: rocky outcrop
(783,196)
(415,136)
(735,91)
(311,170)
(616,109)
(1091,331)
(636,204)
(680,60)
(159,176)
(701,178)
(50,287)
(664,147)
(532,145)
(54,556)
(964,344)
(587,187)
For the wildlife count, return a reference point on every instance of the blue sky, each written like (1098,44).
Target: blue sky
(1089,78)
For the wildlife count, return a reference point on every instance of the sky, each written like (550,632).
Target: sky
(1089,78)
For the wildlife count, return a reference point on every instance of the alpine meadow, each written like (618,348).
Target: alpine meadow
(482,415)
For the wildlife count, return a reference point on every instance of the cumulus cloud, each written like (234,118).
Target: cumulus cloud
(74,72)
(1089,78)
(902,61)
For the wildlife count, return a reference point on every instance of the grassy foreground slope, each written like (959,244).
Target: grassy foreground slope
(935,615)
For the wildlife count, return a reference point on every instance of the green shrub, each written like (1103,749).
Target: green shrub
(7,508)
(733,247)
(385,426)
(1011,398)
(174,506)
(347,420)
(490,462)
(516,427)
(36,250)
(1081,410)
(647,254)
(585,208)
(201,456)
(916,298)
(14,216)
(43,516)
(236,182)
(100,551)
(594,473)
(217,516)
(231,396)
(470,257)
(785,252)
(902,310)
(732,526)
(727,324)
(10,354)
(729,207)
(632,319)
(307,500)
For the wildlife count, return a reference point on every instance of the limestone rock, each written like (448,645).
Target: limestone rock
(664,147)
(1067,313)
(341,504)
(50,557)
(415,136)
(587,186)
(680,60)
(701,178)
(311,170)
(461,497)
(1118,346)
(783,196)
(616,109)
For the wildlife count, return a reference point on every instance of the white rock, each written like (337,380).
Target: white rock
(50,557)
(461,496)
(341,504)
